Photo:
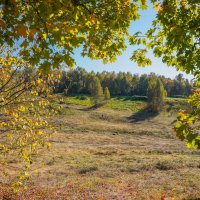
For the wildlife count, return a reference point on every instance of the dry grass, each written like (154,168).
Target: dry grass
(106,154)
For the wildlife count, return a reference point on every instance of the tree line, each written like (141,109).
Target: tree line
(79,81)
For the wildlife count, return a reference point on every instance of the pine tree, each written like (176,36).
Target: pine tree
(106,94)
(155,94)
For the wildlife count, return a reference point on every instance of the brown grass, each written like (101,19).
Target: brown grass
(104,154)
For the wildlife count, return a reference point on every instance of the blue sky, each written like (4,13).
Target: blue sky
(123,62)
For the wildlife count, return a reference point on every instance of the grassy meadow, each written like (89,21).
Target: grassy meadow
(118,151)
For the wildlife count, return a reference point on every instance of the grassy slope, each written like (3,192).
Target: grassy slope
(115,152)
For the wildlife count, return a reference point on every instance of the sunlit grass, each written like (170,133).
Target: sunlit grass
(124,104)
(118,103)
(78,100)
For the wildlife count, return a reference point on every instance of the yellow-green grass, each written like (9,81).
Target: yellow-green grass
(119,103)
(123,102)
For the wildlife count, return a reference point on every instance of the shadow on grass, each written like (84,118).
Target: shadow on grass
(194,198)
(131,98)
(142,115)
(94,107)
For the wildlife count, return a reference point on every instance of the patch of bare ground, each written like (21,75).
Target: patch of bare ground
(104,154)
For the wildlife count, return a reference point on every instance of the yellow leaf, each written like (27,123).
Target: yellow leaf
(105,61)
(56,29)
(22,109)
(112,59)
(44,36)
(51,15)
(156,6)
(39,81)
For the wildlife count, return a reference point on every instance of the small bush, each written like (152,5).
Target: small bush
(163,165)
(86,170)
(82,98)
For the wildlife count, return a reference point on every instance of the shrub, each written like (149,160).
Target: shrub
(155,94)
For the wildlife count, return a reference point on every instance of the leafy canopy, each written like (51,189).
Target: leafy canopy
(48,31)
(174,35)
(188,127)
